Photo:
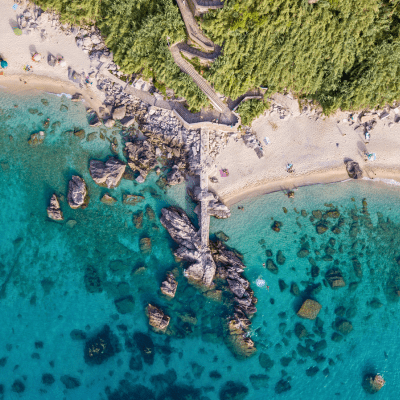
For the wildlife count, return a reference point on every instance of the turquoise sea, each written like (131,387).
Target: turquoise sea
(62,283)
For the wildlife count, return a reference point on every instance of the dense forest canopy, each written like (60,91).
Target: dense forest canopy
(136,31)
(342,53)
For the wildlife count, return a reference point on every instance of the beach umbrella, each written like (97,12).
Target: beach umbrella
(36,57)
(4,64)
(17,31)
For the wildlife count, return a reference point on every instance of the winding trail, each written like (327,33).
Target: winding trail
(212,51)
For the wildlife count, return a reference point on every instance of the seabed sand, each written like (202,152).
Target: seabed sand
(316,148)
(309,144)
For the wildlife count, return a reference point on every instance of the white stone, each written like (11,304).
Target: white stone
(109,123)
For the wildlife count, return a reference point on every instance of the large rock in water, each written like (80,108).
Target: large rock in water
(157,319)
(353,169)
(335,278)
(169,286)
(372,383)
(182,231)
(77,192)
(108,174)
(309,309)
(53,210)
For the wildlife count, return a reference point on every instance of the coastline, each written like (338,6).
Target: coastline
(381,175)
(36,84)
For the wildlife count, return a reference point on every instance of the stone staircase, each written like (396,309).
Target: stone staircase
(205,87)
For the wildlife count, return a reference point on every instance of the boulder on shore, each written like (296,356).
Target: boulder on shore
(108,174)
(353,169)
(309,309)
(169,286)
(119,113)
(157,319)
(77,192)
(53,210)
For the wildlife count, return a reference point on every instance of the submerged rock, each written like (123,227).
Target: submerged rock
(309,309)
(282,386)
(48,379)
(53,210)
(132,199)
(157,319)
(343,326)
(372,383)
(108,199)
(70,382)
(101,347)
(145,245)
(77,193)
(125,304)
(233,391)
(92,280)
(353,169)
(259,381)
(37,138)
(108,174)
(169,286)
(18,386)
(146,347)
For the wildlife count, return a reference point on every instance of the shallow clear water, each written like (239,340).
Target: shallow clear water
(45,293)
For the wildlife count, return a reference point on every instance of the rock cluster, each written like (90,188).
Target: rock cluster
(141,157)
(53,210)
(77,193)
(37,138)
(169,286)
(108,174)
(335,278)
(216,208)
(157,319)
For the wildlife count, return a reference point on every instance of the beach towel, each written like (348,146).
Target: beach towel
(224,173)
(266,140)
(17,31)
(371,156)
(15,6)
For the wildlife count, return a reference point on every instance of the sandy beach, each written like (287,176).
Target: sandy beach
(317,147)
(18,51)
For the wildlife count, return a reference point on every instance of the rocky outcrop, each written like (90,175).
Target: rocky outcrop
(216,208)
(309,309)
(141,157)
(175,176)
(37,138)
(353,169)
(108,174)
(77,193)
(372,383)
(119,113)
(169,286)
(182,231)
(157,319)
(53,210)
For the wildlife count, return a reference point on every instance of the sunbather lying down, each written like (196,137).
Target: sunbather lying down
(289,168)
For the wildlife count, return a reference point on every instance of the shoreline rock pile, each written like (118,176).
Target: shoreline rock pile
(216,261)
(216,208)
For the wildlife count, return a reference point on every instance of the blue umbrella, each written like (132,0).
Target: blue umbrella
(4,64)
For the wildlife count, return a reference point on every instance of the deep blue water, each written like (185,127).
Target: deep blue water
(45,296)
